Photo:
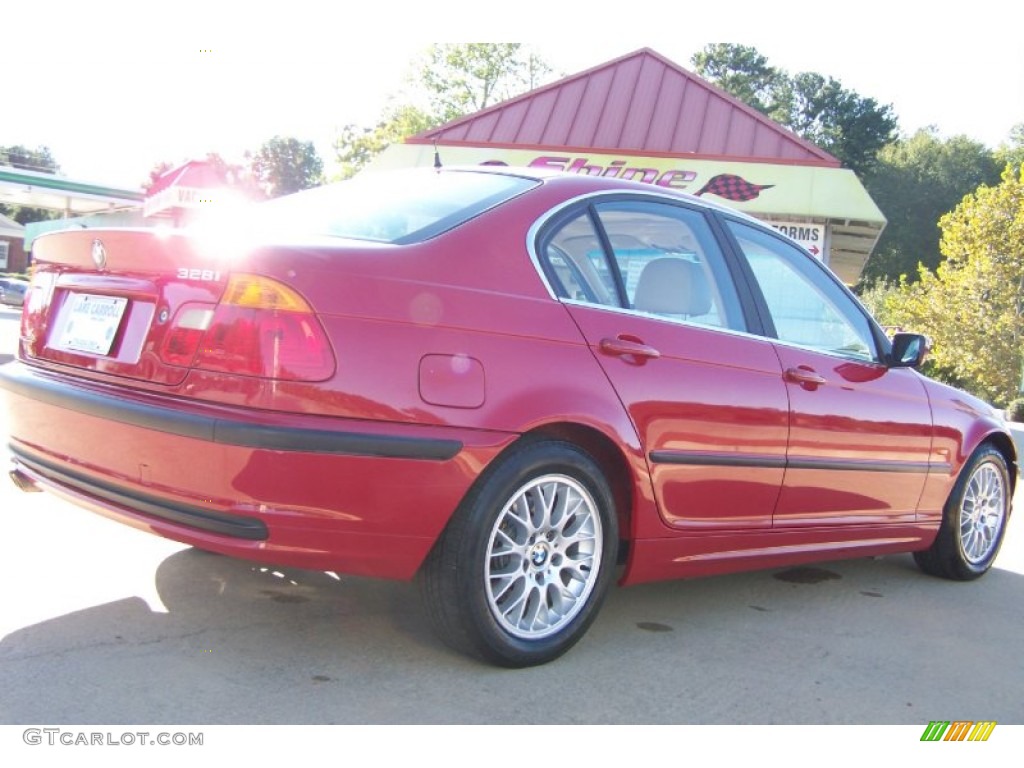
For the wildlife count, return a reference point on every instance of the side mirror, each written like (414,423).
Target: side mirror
(908,350)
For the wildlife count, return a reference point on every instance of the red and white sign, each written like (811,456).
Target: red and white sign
(811,237)
(196,184)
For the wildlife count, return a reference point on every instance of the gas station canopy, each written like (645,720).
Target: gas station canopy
(73,198)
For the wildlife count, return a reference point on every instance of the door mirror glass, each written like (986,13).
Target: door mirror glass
(908,350)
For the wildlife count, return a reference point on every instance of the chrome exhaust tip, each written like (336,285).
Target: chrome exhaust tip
(24,482)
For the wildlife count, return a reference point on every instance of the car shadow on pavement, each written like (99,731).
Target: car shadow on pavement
(228,641)
(225,625)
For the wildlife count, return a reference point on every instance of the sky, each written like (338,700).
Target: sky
(114,88)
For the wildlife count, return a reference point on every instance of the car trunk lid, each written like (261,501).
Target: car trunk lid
(105,302)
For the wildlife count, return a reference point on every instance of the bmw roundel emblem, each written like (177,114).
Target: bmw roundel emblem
(99,254)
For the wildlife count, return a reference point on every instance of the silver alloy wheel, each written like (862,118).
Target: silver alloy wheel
(543,557)
(982,513)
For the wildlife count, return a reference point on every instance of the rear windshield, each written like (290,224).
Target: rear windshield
(392,207)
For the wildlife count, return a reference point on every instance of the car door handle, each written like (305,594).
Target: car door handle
(805,376)
(623,345)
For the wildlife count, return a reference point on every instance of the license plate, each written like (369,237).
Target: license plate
(91,323)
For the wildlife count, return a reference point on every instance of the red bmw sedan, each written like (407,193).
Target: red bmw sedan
(503,383)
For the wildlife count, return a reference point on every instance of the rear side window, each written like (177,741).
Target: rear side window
(392,207)
(577,265)
(648,257)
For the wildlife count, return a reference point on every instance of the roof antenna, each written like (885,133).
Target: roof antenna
(437,157)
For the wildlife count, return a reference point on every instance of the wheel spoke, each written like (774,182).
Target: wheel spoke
(971,544)
(578,538)
(548,494)
(528,610)
(500,590)
(512,543)
(505,563)
(578,574)
(519,511)
(572,503)
(517,601)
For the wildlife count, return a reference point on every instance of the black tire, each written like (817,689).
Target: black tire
(515,586)
(973,520)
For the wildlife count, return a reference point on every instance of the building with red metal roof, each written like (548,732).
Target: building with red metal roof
(642,116)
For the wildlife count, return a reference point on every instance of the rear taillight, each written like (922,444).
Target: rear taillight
(33,311)
(260,328)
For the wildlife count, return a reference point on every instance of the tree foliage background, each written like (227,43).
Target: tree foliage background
(1012,151)
(449,80)
(745,73)
(284,165)
(460,78)
(851,127)
(25,158)
(356,146)
(972,303)
(915,181)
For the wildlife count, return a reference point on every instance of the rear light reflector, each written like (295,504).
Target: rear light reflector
(182,340)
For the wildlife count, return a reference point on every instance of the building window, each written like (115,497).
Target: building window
(4,247)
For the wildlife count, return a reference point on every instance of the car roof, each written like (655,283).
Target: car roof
(598,183)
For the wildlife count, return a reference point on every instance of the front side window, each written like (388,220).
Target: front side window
(648,257)
(807,307)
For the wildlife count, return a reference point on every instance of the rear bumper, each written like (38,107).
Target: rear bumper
(230,429)
(47,473)
(361,497)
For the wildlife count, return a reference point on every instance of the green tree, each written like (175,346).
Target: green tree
(972,304)
(878,296)
(460,78)
(1011,152)
(355,146)
(842,122)
(449,80)
(155,173)
(235,176)
(848,126)
(915,181)
(746,74)
(40,160)
(285,165)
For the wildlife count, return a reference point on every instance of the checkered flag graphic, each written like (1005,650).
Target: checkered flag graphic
(733,188)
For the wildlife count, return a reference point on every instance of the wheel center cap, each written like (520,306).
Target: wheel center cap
(539,555)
